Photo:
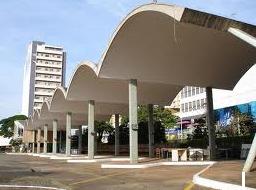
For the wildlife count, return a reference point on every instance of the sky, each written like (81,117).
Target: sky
(82,27)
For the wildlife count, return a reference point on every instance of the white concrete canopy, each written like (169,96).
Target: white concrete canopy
(86,85)
(174,45)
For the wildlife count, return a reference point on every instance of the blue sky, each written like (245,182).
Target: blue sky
(82,27)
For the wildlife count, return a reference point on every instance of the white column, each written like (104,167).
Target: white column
(33,144)
(251,157)
(45,138)
(68,134)
(116,134)
(133,121)
(38,140)
(91,132)
(54,136)
(210,123)
(150,131)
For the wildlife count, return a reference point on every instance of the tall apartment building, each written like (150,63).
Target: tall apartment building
(45,69)
(192,102)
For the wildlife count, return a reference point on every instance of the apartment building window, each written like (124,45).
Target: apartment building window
(194,105)
(197,90)
(198,104)
(182,108)
(202,103)
(202,90)
(193,91)
(47,55)
(186,107)
(190,106)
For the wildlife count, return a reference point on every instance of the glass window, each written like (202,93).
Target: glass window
(198,104)
(186,107)
(194,105)
(190,106)
(201,90)
(202,103)
(197,90)
(189,91)
(193,91)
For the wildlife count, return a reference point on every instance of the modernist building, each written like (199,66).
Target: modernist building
(44,70)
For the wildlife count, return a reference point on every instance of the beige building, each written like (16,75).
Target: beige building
(44,71)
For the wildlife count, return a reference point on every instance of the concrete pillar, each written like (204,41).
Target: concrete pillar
(251,157)
(91,132)
(210,123)
(133,121)
(54,136)
(38,140)
(80,140)
(45,138)
(33,141)
(116,134)
(68,134)
(150,131)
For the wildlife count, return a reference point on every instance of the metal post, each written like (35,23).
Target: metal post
(68,134)
(210,123)
(45,138)
(54,136)
(116,134)
(150,131)
(91,132)
(133,121)
(38,140)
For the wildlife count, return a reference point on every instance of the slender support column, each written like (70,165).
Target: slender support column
(210,123)
(33,143)
(133,121)
(116,134)
(150,131)
(45,138)
(68,134)
(251,157)
(80,140)
(91,132)
(54,136)
(38,140)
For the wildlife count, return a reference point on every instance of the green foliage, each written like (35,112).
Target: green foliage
(102,127)
(7,125)
(160,114)
(241,124)
(15,142)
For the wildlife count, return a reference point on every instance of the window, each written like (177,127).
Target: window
(202,103)
(186,107)
(182,108)
(198,104)
(46,55)
(197,90)
(193,91)
(202,90)
(58,56)
(194,105)
(190,106)
(189,91)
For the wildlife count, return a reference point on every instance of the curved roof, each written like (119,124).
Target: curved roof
(174,45)
(86,85)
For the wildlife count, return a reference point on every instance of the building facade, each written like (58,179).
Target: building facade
(44,70)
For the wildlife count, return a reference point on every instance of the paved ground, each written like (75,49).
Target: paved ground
(230,171)
(28,170)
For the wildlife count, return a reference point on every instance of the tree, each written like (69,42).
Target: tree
(7,125)
(102,127)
